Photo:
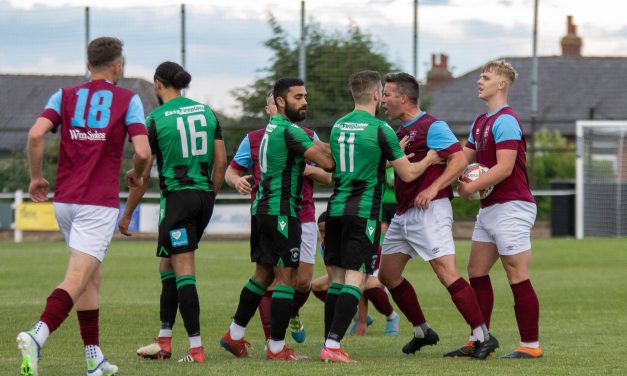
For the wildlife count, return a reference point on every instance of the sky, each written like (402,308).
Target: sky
(225,38)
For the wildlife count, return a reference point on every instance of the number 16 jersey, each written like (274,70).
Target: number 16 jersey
(181,134)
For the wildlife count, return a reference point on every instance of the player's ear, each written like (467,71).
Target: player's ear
(280,101)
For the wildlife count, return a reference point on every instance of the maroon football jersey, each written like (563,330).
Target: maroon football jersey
(484,141)
(95,119)
(418,132)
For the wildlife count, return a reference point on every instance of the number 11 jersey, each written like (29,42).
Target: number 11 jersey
(360,145)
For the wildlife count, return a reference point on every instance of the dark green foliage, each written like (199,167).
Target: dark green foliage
(331,57)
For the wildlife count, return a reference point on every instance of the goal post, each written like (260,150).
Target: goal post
(601,178)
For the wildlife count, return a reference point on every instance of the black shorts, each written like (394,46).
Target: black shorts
(275,240)
(186,214)
(388,212)
(351,243)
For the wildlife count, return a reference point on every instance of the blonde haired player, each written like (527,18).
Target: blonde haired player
(504,222)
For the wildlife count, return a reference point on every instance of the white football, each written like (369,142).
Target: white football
(472,173)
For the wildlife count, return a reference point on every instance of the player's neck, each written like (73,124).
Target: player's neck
(167,96)
(496,102)
(107,76)
(369,108)
(410,114)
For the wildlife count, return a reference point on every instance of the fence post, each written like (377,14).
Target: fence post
(19,198)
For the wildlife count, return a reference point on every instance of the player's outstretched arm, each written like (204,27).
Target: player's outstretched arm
(236,179)
(219,165)
(135,195)
(454,168)
(408,171)
(38,188)
(321,156)
(318,174)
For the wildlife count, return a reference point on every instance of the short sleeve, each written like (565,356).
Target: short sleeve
(389,143)
(470,144)
(440,136)
(506,128)
(471,138)
(242,157)
(218,133)
(135,112)
(506,132)
(297,140)
(52,111)
(134,119)
(153,140)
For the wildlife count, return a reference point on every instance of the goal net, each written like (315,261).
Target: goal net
(601,201)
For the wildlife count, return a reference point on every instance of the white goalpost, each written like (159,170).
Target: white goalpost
(601,178)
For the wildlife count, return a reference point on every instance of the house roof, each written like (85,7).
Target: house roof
(23,98)
(570,88)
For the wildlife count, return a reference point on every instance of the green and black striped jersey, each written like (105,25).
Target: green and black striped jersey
(282,164)
(181,134)
(360,144)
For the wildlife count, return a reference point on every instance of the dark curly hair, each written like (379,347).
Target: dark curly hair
(171,74)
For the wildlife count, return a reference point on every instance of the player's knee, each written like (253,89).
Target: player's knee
(303,284)
(474,271)
(390,280)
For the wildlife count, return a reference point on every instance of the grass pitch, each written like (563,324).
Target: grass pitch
(581,286)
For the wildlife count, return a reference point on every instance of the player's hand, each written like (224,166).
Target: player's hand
(425,197)
(242,185)
(38,190)
(404,142)
(464,191)
(432,157)
(134,180)
(123,224)
(361,330)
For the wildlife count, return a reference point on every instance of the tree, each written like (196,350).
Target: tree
(331,57)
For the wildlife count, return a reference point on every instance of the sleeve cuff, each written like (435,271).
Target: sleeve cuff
(136,129)
(454,148)
(470,145)
(53,116)
(237,166)
(509,145)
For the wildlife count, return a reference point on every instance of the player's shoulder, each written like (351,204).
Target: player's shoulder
(310,132)
(257,132)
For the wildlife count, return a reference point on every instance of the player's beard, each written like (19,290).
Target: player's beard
(295,115)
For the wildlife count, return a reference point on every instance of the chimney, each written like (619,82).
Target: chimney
(571,43)
(439,73)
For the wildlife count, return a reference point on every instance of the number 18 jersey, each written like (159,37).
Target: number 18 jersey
(360,145)
(181,134)
(95,118)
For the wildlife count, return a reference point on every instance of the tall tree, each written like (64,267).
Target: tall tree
(331,58)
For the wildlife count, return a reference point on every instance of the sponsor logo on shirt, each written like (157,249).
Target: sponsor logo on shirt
(76,134)
(412,135)
(270,128)
(186,110)
(351,126)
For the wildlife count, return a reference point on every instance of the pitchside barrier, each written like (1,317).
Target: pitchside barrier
(231,214)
